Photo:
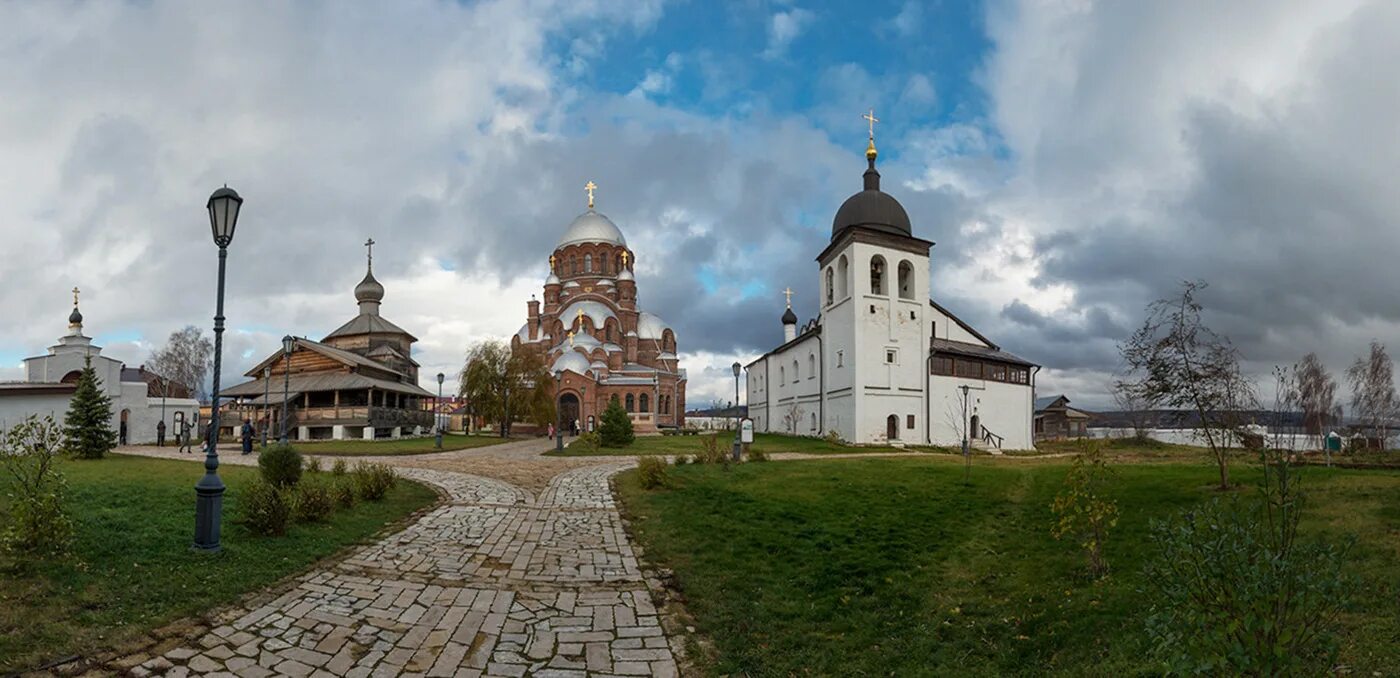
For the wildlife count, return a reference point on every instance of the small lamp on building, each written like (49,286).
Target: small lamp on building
(289,344)
(437,412)
(224,206)
(267,393)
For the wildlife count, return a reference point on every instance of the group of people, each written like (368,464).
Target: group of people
(182,434)
(574,428)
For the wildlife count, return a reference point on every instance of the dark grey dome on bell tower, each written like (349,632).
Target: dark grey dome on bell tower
(872,208)
(789,318)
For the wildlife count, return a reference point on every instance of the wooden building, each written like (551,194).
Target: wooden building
(1056,420)
(360,381)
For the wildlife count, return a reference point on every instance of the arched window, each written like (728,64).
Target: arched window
(796,375)
(587,263)
(631,403)
(603,263)
(811,366)
(573,264)
(843,277)
(617,263)
(814,421)
(782,375)
(644,404)
(830,286)
(906,280)
(877,274)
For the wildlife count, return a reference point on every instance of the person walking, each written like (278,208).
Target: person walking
(182,437)
(551,431)
(247,432)
(160,433)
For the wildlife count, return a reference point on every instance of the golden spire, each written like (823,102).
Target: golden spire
(590,187)
(75,297)
(788,293)
(870,151)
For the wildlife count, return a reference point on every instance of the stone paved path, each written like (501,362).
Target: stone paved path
(496,582)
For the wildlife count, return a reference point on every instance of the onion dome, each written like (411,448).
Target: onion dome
(649,326)
(552,279)
(872,208)
(789,318)
(572,361)
(592,227)
(369,289)
(625,274)
(76,317)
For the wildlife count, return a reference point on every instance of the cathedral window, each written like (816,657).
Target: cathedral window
(877,275)
(587,263)
(573,265)
(631,403)
(603,263)
(796,375)
(830,286)
(906,280)
(811,366)
(644,404)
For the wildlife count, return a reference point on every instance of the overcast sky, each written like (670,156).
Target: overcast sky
(1072,160)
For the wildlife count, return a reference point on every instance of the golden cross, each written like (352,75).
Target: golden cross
(870,117)
(579,315)
(369,244)
(624,258)
(75,297)
(551,264)
(788,293)
(571,338)
(590,187)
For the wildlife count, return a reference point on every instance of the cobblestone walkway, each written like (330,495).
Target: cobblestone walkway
(494,583)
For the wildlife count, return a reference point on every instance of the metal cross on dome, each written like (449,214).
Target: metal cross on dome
(75,297)
(369,244)
(788,293)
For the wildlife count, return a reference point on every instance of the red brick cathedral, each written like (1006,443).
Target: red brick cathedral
(593,334)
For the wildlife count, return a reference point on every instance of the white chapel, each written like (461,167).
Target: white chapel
(883,363)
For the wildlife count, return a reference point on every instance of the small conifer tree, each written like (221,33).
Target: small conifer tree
(87,428)
(616,427)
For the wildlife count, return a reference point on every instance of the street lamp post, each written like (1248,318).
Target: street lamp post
(289,343)
(737,419)
(267,384)
(437,412)
(558,410)
(224,205)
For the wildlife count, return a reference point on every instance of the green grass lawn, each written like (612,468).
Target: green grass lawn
(770,443)
(401,446)
(132,569)
(893,567)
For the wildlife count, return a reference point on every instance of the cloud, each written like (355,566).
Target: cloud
(783,28)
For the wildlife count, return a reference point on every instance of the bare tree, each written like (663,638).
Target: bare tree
(792,414)
(1178,362)
(1317,391)
(184,360)
(1373,399)
(1134,410)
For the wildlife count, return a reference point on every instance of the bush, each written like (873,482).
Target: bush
(756,454)
(1234,592)
(313,502)
(38,523)
(1082,510)
(338,468)
(373,481)
(280,465)
(313,465)
(344,491)
(589,442)
(264,509)
(682,459)
(833,437)
(652,472)
(616,427)
(711,451)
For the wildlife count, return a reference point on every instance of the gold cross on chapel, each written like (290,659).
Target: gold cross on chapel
(624,258)
(75,297)
(870,118)
(788,293)
(579,315)
(590,187)
(551,264)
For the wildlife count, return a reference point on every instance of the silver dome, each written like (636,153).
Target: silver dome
(649,326)
(572,361)
(592,227)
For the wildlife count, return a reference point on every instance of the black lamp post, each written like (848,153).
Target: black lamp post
(558,410)
(267,384)
(224,205)
(288,344)
(736,367)
(437,412)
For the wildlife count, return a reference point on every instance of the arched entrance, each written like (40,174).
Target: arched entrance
(892,427)
(568,410)
(975,428)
